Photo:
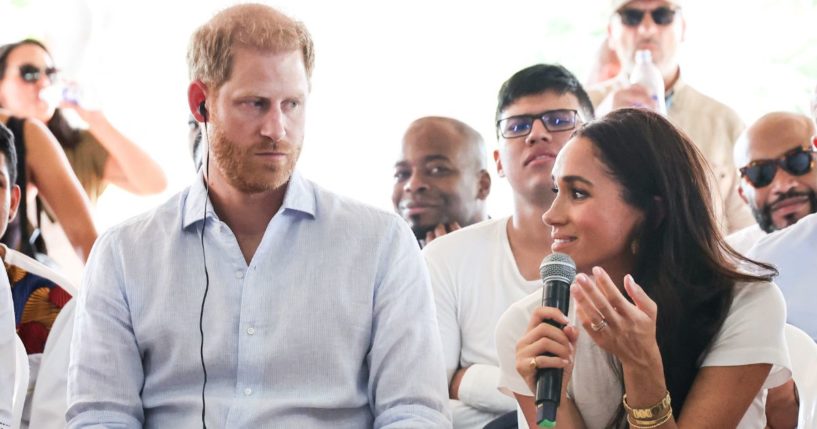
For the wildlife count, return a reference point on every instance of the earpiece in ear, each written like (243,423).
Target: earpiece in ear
(203,110)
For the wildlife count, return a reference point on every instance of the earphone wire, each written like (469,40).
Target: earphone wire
(206,274)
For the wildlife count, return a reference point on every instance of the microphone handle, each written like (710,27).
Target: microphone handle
(549,380)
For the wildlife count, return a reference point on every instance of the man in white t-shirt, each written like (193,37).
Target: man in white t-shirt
(775,159)
(477,272)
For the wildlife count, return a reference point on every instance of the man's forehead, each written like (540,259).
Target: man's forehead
(535,104)
(776,137)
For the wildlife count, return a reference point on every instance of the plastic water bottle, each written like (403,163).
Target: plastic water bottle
(646,74)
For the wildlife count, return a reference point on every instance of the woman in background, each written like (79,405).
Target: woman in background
(46,173)
(98,155)
(673,332)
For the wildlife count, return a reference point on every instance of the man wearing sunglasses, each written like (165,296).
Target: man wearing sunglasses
(778,179)
(779,182)
(659,26)
(478,272)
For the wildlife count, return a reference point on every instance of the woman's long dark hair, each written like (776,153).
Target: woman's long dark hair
(67,135)
(682,261)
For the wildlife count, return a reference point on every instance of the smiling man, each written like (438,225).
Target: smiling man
(660,27)
(255,298)
(441,179)
(479,271)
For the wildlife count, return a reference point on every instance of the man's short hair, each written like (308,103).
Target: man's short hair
(210,54)
(7,149)
(541,78)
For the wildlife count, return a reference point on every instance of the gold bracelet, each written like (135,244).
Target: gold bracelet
(642,424)
(656,412)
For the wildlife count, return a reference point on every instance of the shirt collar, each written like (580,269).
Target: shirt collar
(301,197)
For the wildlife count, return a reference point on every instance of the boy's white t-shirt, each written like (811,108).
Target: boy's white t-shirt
(8,332)
(752,333)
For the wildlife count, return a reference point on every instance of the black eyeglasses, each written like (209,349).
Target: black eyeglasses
(554,121)
(631,17)
(796,162)
(31,73)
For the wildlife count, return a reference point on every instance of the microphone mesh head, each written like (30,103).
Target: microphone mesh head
(558,266)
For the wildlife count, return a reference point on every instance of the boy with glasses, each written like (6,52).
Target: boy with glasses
(659,26)
(479,271)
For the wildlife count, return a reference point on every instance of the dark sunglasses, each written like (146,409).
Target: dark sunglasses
(554,120)
(631,17)
(31,73)
(796,162)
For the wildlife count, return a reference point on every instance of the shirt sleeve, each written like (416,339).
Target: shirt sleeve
(753,332)
(406,384)
(105,372)
(509,330)
(478,388)
(7,351)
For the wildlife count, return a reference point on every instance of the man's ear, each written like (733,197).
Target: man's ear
(15,202)
(742,193)
(196,95)
(498,162)
(484,185)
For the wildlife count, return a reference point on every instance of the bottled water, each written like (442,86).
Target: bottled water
(646,74)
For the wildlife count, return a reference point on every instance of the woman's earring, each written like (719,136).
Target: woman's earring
(634,246)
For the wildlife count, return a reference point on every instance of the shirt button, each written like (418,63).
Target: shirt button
(247,392)
(239,274)
(251,331)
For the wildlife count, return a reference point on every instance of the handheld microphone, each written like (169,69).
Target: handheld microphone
(558,271)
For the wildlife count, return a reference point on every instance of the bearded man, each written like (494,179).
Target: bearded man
(255,298)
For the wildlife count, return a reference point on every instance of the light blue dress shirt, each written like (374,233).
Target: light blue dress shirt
(331,324)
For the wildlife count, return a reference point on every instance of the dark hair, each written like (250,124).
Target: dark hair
(540,78)
(682,261)
(7,149)
(66,135)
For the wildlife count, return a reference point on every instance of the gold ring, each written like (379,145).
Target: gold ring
(533,363)
(598,326)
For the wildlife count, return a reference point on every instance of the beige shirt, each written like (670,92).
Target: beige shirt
(714,128)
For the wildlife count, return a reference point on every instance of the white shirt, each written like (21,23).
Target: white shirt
(8,332)
(475,278)
(743,240)
(752,333)
(793,251)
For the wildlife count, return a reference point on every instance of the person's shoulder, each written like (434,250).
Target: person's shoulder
(151,224)
(743,239)
(761,294)
(479,237)
(788,240)
(692,98)
(516,316)
(348,212)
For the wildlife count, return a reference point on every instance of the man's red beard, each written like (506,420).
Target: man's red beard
(236,163)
